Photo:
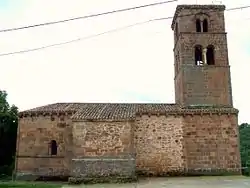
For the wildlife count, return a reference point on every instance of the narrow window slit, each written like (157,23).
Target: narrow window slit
(205,25)
(53,147)
(198,55)
(210,55)
(198,25)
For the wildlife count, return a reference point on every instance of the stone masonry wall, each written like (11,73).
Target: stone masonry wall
(188,41)
(207,85)
(201,84)
(41,166)
(103,150)
(33,149)
(105,138)
(211,142)
(159,144)
(187,19)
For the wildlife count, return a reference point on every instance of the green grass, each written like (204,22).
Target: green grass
(29,185)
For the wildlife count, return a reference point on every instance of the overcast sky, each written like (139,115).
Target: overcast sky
(132,65)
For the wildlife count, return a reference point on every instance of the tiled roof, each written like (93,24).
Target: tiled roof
(112,111)
(106,111)
(56,107)
(122,111)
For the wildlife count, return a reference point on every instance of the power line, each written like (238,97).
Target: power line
(79,39)
(88,16)
(106,32)
(228,9)
(237,8)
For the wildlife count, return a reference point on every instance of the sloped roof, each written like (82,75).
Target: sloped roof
(112,111)
(56,107)
(123,111)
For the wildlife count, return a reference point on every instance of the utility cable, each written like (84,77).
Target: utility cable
(106,32)
(79,39)
(88,16)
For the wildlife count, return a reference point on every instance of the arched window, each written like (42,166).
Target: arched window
(205,25)
(210,55)
(198,25)
(53,147)
(198,55)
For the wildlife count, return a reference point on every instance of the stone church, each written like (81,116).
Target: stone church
(198,134)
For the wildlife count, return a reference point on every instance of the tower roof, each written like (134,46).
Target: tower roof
(179,8)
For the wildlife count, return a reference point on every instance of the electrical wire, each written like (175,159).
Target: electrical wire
(107,32)
(79,39)
(88,16)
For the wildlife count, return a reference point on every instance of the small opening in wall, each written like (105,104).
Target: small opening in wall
(198,25)
(210,55)
(198,55)
(205,25)
(53,147)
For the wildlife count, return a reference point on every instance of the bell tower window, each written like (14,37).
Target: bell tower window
(198,25)
(198,55)
(210,55)
(205,25)
(202,24)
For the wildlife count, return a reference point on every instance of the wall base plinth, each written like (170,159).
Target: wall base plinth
(212,172)
(30,176)
(100,170)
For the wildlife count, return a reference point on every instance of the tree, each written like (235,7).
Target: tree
(8,134)
(244,131)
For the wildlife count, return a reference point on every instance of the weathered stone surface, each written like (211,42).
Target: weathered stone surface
(94,180)
(33,145)
(104,169)
(106,138)
(159,144)
(212,142)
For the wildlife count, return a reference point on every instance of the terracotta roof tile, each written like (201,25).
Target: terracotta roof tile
(56,107)
(156,108)
(112,111)
(120,111)
(103,111)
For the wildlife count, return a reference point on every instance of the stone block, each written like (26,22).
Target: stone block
(102,169)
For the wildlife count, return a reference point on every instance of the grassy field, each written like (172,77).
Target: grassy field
(29,185)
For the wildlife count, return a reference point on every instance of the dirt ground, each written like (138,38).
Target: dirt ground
(187,182)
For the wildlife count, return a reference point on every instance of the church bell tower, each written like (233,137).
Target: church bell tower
(202,71)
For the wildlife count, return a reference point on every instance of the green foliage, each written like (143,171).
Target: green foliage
(244,130)
(8,133)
